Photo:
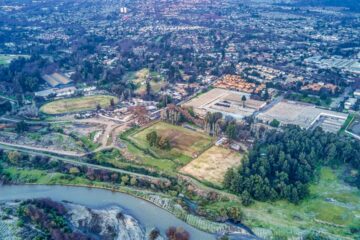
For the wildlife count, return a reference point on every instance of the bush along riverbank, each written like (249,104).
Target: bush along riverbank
(22,169)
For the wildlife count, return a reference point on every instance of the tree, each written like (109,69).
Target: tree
(231,131)
(225,237)
(5,106)
(246,198)
(228,178)
(14,157)
(191,111)
(133,181)
(235,214)
(163,143)
(275,123)
(148,89)
(243,99)
(178,233)
(154,234)
(112,103)
(283,163)
(1,169)
(152,138)
(125,180)
(74,171)
(21,127)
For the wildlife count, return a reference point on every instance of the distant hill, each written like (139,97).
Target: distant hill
(353,5)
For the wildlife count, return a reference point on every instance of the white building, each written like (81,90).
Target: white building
(357,94)
(123,10)
(350,103)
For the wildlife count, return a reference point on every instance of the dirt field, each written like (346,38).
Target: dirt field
(183,141)
(211,166)
(77,104)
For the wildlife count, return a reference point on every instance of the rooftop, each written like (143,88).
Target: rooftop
(56,79)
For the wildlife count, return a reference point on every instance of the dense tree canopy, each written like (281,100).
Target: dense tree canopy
(282,164)
(24,74)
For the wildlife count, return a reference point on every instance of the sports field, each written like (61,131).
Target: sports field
(211,166)
(185,144)
(71,105)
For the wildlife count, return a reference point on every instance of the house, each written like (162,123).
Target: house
(65,92)
(235,147)
(45,93)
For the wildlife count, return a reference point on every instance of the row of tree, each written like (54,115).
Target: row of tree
(281,165)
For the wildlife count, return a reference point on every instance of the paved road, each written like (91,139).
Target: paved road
(9,99)
(49,151)
(78,163)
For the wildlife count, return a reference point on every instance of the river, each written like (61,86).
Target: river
(147,214)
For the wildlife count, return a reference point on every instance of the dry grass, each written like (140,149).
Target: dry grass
(212,165)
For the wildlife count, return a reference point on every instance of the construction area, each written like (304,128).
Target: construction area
(229,103)
(305,115)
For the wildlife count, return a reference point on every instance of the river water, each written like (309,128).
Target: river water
(146,213)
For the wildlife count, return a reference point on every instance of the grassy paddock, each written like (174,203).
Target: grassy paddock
(167,161)
(185,143)
(71,105)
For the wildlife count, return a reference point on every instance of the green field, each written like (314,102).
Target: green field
(6,59)
(71,105)
(139,79)
(42,177)
(310,99)
(333,207)
(185,144)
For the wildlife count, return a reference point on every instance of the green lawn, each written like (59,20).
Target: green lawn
(310,99)
(185,144)
(6,59)
(71,105)
(139,79)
